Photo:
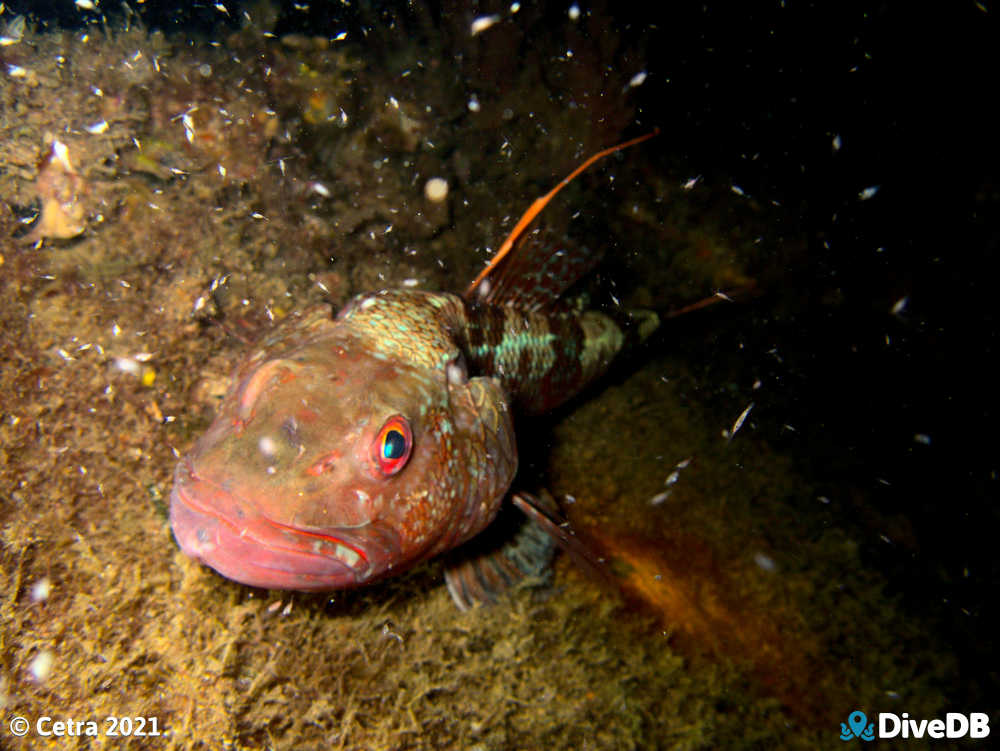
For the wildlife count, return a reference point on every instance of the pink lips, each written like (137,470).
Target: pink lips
(255,550)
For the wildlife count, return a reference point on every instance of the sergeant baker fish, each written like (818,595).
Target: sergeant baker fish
(350,448)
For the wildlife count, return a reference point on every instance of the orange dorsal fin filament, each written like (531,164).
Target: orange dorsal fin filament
(540,203)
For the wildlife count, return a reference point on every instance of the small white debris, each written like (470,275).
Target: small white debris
(97,128)
(411,282)
(867,193)
(320,188)
(188,124)
(659,498)
(222,170)
(765,562)
(436,189)
(900,305)
(41,590)
(737,190)
(692,182)
(16,71)
(728,434)
(823,499)
(836,142)
(222,8)
(515,7)
(482,23)
(574,12)
(61,154)
(267,447)
(86,5)
(637,80)
(275,606)
(128,365)
(473,104)
(457,375)
(922,438)
(340,37)
(41,666)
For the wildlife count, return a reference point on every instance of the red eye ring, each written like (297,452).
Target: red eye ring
(393,445)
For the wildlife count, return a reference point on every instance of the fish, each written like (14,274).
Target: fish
(351,447)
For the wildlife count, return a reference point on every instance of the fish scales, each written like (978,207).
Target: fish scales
(295,484)
(350,448)
(541,358)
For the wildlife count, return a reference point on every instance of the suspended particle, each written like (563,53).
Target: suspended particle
(637,80)
(482,23)
(729,434)
(436,189)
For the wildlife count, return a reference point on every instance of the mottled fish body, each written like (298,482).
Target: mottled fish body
(353,447)
(350,448)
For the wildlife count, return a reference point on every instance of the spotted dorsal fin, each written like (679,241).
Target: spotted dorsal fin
(540,268)
(531,268)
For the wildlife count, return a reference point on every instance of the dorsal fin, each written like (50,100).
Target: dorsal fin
(511,276)
(541,267)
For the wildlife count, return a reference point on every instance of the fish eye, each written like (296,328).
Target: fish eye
(393,445)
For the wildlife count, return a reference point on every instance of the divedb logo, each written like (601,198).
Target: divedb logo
(890,725)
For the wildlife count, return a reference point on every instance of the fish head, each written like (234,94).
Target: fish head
(330,466)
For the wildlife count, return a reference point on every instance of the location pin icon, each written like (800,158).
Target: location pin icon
(857,722)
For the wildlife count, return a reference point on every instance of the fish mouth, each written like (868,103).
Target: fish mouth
(260,552)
